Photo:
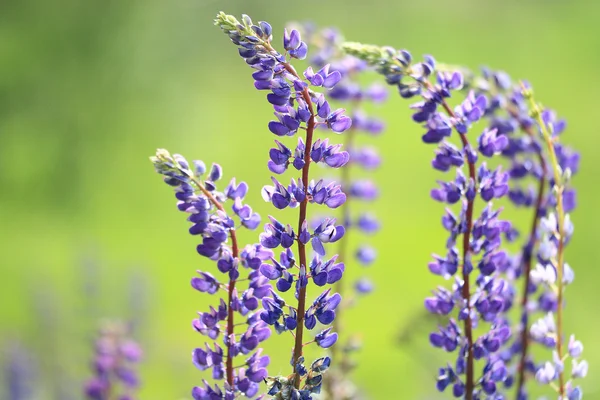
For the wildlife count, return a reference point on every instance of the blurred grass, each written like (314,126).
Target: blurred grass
(88,90)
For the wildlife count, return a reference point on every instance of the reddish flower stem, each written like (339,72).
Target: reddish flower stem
(466,290)
(231,286)
(310,127)
(301,247)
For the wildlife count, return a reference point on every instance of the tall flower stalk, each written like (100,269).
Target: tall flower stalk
(198,196)
(492,97)
(488,297)
(556,231)
(298,108)
(510,112)
(325,45)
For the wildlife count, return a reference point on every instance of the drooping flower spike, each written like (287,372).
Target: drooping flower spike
(474,243)
(509,133)
(298,108)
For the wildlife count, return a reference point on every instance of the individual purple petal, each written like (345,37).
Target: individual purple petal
(317,246)
(340,124)
(325,339)
(301,52)
(336,200)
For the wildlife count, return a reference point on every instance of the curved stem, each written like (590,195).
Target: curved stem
(310,127)
(231,286)
(526,260)
(560,211)
(466,290)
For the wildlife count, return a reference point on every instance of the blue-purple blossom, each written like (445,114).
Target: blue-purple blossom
(472,300)
(298,108)
(518,131)
(326,55)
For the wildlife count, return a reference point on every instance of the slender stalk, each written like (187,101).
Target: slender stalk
(558,187)
(310,127)
(231,286)
(526,260)
(301,247)
(301,309)
(466,289)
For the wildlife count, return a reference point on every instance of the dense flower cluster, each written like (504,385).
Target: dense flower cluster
(509,132)
(298,108)
(198,197)
(510,114)
(114,365)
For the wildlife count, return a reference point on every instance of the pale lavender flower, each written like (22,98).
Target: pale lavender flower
(114,365)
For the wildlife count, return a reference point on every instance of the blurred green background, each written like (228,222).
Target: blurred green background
(89,90)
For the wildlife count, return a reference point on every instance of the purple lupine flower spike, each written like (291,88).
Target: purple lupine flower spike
(297,108)
(474,243)
(509,116)
(114,366)
(512,133)
(326,55)
(508,120)
(197,195)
